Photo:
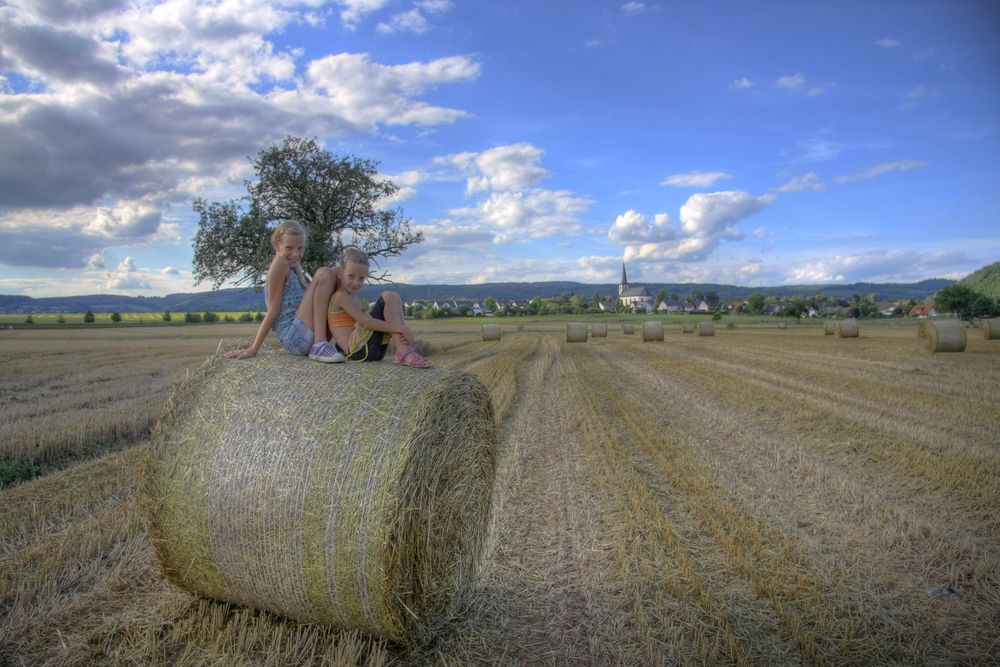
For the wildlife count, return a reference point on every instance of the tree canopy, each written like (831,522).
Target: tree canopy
(339,200)
(964,302)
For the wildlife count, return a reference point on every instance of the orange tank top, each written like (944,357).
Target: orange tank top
(337,318)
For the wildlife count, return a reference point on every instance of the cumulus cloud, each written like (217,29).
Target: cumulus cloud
(875,266)
(502,168)
(879,169)
(536,213)
(169,271)
(706,220)
(414,19)
(126,277)
(792,81)
(696,179)
(355,10)
(741,84)
(888,43)
(132,109)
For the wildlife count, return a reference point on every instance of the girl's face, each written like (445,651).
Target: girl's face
(353,276)
(291,247)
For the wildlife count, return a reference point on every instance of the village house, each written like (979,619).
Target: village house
(634,297)
(923,310)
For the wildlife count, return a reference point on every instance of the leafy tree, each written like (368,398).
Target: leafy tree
(246,317)
(88,317)
(258,317)
(964,302)
(30,319)
(661,296)
(490,304)
(192,318)
(166,316)
(115,317)
(61,319)
(337,198)
(209,317)
(755,304)
(712,298)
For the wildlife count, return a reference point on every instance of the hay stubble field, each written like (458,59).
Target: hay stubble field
(761,496)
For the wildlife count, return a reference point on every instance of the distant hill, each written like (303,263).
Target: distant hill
(246,299)
(985,281)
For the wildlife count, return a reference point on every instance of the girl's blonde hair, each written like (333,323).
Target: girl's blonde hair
(355,255)
(287,228)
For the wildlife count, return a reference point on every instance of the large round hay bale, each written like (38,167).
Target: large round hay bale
(990,328)
(356,497)
(652,331)
(491,332)
(941,336)
(829,327)
(704,329)
(576,332)
(688,327)
(847,329)
(599,330)
(628,328)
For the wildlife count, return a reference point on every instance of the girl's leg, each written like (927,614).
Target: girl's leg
(393,314)
(316,301)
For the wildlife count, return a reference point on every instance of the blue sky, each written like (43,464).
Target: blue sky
(758,143)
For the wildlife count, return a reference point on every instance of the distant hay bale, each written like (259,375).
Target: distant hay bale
(782,325)
(847,329)
(941,336)
(688,327)
(730,325)
(652,331)
(599,330)
(356,497)
(576,332)
(990,328)
(491,332)
(628,328)
(829,327)
(704,329)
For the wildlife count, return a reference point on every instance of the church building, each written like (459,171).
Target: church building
(634,297)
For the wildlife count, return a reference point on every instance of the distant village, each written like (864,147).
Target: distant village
(634,300)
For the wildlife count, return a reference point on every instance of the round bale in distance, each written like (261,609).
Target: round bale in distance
(847,329)
(829,327)
(782,325)
(652,331)
(688,327)
(990,328)
(941,336)
(704,329)
(628,328)
(491,332)
(358,499)
(599,330)
(576,332)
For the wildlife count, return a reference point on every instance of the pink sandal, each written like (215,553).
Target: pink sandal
(413,359)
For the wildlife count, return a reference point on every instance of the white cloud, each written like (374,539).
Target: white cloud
(883,168)
(126,277)
(96,261)
(410,21)
(874,266)
(792,81)
(696,179)
(355,10)
(632,8)
(515,216)
(888,43)
(502,168)
(169,271)
(808,181)
(741,84)
(706,220)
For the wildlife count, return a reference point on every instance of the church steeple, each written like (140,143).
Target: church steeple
(623,285)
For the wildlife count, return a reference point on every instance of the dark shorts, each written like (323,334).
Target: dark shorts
(375,348)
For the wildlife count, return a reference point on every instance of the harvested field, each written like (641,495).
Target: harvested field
(771,498)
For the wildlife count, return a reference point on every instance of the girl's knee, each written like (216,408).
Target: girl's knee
(390,297)
(323,274)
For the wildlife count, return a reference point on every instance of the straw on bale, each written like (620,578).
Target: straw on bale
(491,332)
(628,328)
(829,327)
(990,328)
(652,331)
(704,329)
(943,336)
(688,327)
(847,329)
(576,332)
(356,497)
(599,330)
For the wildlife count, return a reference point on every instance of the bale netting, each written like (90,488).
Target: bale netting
(829,327)
(688,327)
(576,332)
(652,331)
(847,329)
(491,332)
(943,336)
(358,499)
(990,328)
(599,330)
(628,328)
(704,329)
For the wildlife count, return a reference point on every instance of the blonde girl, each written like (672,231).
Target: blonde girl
(296,311)
(355,331)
